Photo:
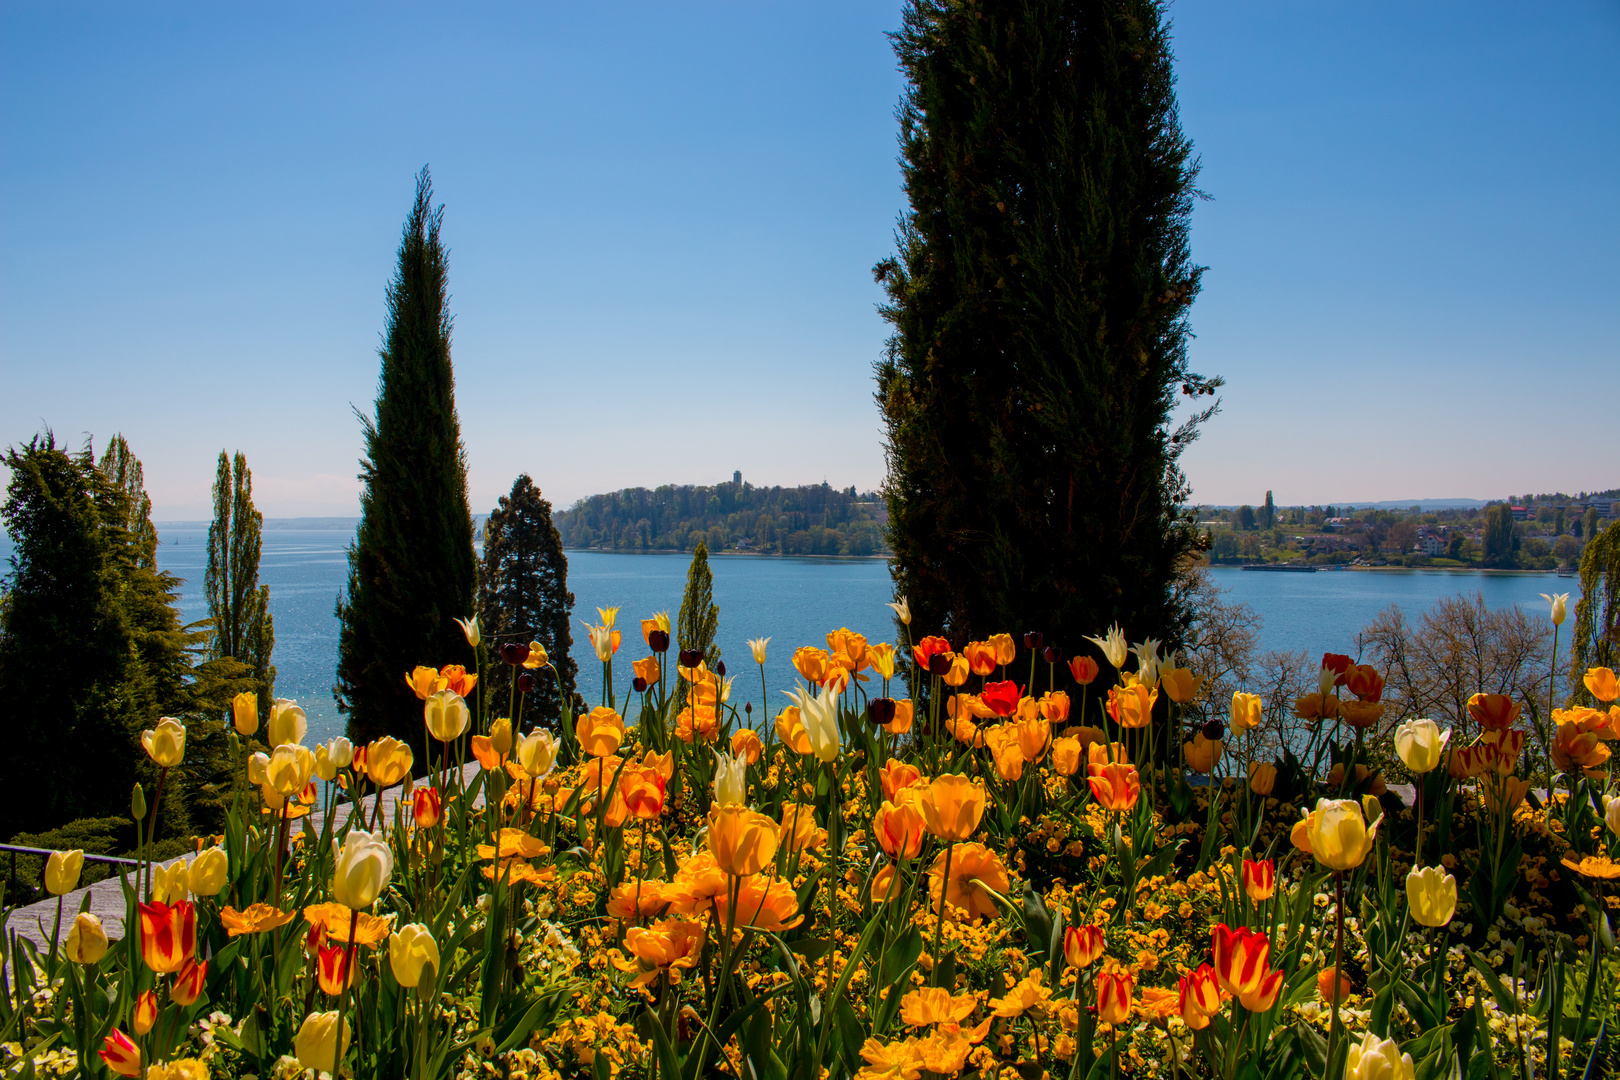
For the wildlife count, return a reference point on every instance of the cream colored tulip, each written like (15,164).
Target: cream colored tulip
(172,883)
(446,715)
(410,950)
(316,1044)
(166,743)
(288,724)
(1421,744)
(1431,896)
(1557,607)
(87,940)
(469,630)
(757,647)
(902,611)
(363,866)
(730,779)
(537,753)
(1113,646)
(1378,1059)
(258,767)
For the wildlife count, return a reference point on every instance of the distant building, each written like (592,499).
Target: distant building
(1521,513)
(1432,545)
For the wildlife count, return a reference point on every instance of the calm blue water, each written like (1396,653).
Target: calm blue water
(793,601)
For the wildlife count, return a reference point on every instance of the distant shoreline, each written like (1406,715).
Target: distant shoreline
(725,554)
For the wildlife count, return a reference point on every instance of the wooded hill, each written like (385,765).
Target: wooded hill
(817,519)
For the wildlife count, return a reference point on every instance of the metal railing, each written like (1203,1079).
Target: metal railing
(17,849)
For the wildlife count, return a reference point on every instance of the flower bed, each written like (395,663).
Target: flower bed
(934,862)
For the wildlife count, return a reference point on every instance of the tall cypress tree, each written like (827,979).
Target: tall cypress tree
(1039,300)
(699,617)
(238,605)
(523,596)
(412,570)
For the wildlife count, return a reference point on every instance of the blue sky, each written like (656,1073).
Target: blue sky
(662,219)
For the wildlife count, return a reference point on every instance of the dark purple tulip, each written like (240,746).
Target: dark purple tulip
(939,664)
(720,668)
(1214,730)
(880,711)
(514,653)
(689,658)
(658,641)
(526,683)
(1052,655)
(638,684)
(1032,640)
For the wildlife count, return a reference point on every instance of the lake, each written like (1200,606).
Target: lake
(792,601)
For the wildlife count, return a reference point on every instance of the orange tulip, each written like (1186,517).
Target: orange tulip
(1361,714)
(897,775)
(952,806)
(168,935)
(146,1011)
(849,650)
(763,904)
(1602,684)
(643,792)
(981,657)
(903,712)
(637,901)
(1499,750)
(1574,748)
(1084,669)
(1131,706)
(599,731)
(1202,754)
(745,742)
(1099,754)
(812,663)
(883,883)
(958,673)
(1316,707)
(1034,737)
(646,670)
(1262,778)
(790,729)
(926,649)
(427,806)
(120,1054)
(1180,684)
(1066,756)
(334,969)
(1242,968)
(664,948)
(1114,997)
(1200,997)
(1494,711)
(1003,743)
(1364,681)
(1259,879)
(1115,786)
(1325,984)
(799,831)
(973,868)
(1054,706)
(1082,945)
(900,830)
(455,677)
(424,682)
(742,841)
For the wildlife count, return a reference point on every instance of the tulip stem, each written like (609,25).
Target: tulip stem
(1338,964)
(939,927)
(343,999)
(151,827)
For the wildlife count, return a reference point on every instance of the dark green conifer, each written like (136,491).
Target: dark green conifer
(238,605)
(1597,612)
(412,570)
(1039,300)
(699,617)
(523,596)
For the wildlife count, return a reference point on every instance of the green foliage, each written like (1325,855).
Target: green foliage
(815,519)
(91,650)
(1501,539)
(238,605)
(1597,613)
(412,570)
(699,617)
(94,836)
(1039,300)
(523,596)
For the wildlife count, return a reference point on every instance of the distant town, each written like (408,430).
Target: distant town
(1530,532)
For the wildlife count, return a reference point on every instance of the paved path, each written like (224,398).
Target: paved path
(107,897)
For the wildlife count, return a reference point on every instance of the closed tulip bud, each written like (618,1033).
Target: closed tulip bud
(146,1012)
(939,664)
(526,683)
(208,872)
(1378,1059)
(363,866)
(289,769)
(1200,997)
(1262,778)
(720,668)
(189,983)
(1330,984)
(446,715)
(245,713)
(638,684)
(514,653)
(1084,669)
(1259,879)
(288,724)
(166,743)
(316,1044)
(427,807)
(137,802)
(1420,745)
(1052,654)
(120,1054)
(62,871)
(689,658)
(86,940)
(258,768)
(1431,896)
(1082,945)
(1114,997)
(1203,753)
(500,736)
(658,641)
(410,950)
(880,711)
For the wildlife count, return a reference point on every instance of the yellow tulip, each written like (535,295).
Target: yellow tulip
(741,840)
(1246,711)
(388,761)
(363,866)
(1340,834)
(1378,1059)
(287,723)
(62,871)
(208,872)
(1202,754)
(952,806)
(290,768)
(446,715)
(500,736)
(410,950)
(1180,684)
(171,884)
(165,744)
(600,731)
(245,713)
(1006,650)
(86,940)
(1262,778)
(1431,895)
(1066,756)
(537,657)
(316,1044)
(882,656)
